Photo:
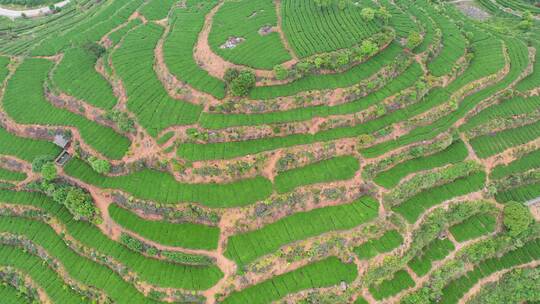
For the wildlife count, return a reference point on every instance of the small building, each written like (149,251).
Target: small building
(63,143)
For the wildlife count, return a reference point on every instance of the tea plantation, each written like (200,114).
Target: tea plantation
(270,151)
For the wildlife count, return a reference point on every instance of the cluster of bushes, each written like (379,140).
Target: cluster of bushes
(172,256)
(78,202)
(101,166)
(337,60)
(239,82)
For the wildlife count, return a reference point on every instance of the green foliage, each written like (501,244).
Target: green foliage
(79,203)
(48,171)
(280,72)
(368,48)
(101,166)
(414,40)
(240,83)
(517,218)
(40,161)
(122,120)
(368,14)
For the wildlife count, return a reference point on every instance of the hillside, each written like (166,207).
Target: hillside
(270,151)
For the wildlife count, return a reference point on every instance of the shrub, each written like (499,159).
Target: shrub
(48,171)
(39,161)
(101,166)
(243,83)
(517,218)
(281,72)
(368,48)
(414,40)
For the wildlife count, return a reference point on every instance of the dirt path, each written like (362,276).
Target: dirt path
(279,29)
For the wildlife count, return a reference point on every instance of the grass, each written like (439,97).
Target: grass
(187,235)
(246,247)
(334,169)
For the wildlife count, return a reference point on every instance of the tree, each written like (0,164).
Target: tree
(368,14)
(516,218)
(101,166)
(281,72)
(80,204)
(368,48)
(414,40)
(241,85)
(48,171)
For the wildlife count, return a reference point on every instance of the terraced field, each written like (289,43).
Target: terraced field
(270,151)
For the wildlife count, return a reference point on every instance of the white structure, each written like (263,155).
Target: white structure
(31,12)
